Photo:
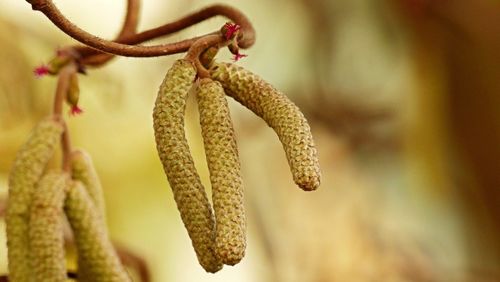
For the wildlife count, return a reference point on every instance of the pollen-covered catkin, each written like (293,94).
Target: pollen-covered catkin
(82,169)
(28,167)
(279,113)
(46,229)
(189,193)
(224,166)
(97,259)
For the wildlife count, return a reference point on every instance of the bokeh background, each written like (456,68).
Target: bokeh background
(403,97)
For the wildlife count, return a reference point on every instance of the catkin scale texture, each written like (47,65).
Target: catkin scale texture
(97,259)
(82,169)
(280,114)
(28,167)
(173,149)
(46,233)
(224,166)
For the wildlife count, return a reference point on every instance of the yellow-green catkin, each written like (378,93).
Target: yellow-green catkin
(46,229)
(97,259)
(224,166)
(173,149)
(279,113)
(28,167)
(82,169)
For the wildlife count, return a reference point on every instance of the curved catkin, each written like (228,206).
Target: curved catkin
(97,259)
(28,167)
(46,229)
(173,149)
(224,166)
(82,169)
(279,113)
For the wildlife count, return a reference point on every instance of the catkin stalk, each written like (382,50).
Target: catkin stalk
(224,166)
(82,169)
(189,193)
(280,113)
(97,259)
(46,229)
(28,167)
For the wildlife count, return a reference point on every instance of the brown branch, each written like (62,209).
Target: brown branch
(199,47)
(129,28)
(131,18)
(246,39)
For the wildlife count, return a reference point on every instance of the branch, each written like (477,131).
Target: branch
(246,39)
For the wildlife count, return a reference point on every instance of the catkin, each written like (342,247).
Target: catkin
(28,167)
(46,229)
(97,259)
(279,113)
(82,169)
(173,149)
(224,166)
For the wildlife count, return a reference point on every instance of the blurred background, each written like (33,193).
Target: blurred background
(403,97)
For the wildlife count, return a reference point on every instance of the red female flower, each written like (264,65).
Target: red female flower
(75,110)
(41,71)
(230,30)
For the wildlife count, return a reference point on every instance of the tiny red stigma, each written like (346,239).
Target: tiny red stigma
(41,71)
(231,29)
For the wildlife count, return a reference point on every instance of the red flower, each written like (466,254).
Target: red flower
(75,110)
(231,29)
(238,56)
(41,71)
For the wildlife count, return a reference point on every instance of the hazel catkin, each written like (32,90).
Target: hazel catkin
(28,167)
(46,233)
(280,113)
(224,166)
(82,169)
(173,149)
(97,258)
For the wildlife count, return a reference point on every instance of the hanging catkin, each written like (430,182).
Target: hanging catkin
(224,166)
(97,259)
(28,167)
(189,193)
(46,229)
(279,113)
(82,169)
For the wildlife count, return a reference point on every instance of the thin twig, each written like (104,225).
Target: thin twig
(131,18)
(59,98)
(199,47)
(246,39)
(129,28)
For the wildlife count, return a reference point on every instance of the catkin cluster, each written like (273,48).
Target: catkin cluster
(222,240)
(35,213)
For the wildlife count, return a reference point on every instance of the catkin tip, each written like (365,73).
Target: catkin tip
(279,113)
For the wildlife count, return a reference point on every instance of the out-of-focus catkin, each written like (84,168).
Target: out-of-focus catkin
(224,166)
(82,169)
(280,113)
(173,149)
(46,229)
(28,167)
(97,259)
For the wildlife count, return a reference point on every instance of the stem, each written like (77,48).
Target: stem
(131,18)
(60,96)
(199,47)
(247,37)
